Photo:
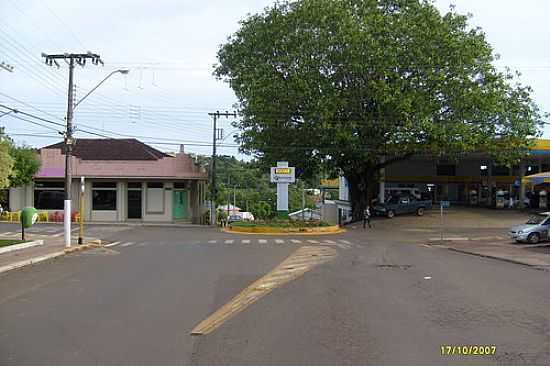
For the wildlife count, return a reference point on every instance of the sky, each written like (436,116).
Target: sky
(170,48)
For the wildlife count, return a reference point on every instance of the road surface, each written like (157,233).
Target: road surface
(385,299)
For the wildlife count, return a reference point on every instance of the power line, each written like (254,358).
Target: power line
(31,115)
(34,123)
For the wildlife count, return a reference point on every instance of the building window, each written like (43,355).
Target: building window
(155,197)
(180,185)
(448,170)
(49,195)
(104,196)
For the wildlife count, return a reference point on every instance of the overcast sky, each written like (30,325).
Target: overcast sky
(170,47)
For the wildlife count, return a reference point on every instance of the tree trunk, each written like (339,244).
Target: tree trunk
(362,188)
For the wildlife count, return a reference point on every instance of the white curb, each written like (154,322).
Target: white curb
(11,248)
(30,261)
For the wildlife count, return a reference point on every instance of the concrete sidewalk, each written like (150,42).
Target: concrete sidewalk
(52,248)
(530,255)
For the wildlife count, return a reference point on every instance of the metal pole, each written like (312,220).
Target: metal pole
(303,201)
(81,212)
(213,177)
(228,196)
(68,152)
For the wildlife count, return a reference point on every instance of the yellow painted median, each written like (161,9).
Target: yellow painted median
(268,230)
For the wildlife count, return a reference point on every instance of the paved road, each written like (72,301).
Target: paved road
(384,300)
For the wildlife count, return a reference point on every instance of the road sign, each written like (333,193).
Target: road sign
(445,204)
(283,175)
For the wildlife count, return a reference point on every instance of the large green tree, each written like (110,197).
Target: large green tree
(355,85)
(6,161)
(18,164)
(25,165)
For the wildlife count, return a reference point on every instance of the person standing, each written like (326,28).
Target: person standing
(366,218)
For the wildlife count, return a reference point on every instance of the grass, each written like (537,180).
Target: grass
(281,224)
(5,243)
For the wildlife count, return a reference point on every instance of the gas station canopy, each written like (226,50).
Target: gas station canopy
(536,179)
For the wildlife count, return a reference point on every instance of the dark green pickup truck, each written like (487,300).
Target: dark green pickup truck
(402,205)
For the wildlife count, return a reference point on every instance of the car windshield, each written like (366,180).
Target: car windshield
(537,219)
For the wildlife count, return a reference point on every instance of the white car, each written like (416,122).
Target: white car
(534,230)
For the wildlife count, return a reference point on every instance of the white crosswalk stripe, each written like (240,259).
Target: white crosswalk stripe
(246,241)
(330,242)
(112,244)
(229,241)
(344,241)
(127,244)
(296,241)
(262,241)
(279,241)
(212,241)
(313,241)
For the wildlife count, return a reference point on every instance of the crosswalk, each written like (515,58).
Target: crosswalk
(342,244)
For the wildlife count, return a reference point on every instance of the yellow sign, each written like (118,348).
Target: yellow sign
(282,170)
(330,183)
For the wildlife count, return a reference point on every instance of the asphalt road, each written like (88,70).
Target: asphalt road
(384,300)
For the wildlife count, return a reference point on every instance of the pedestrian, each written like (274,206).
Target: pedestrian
(366,218)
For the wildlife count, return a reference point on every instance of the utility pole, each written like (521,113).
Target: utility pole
(216,135)
(71,59)
(228,195)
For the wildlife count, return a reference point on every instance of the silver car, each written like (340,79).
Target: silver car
(535,230)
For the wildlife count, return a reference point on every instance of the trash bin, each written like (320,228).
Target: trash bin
(29,215)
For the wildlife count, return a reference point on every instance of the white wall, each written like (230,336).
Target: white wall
(166,215)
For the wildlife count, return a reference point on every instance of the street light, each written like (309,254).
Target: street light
(81,210)
(121,71)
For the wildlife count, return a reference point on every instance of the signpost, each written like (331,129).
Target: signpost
(283,175)
(442,205)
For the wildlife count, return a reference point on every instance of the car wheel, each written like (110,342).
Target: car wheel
(420,211)
(533,238)
(390,214)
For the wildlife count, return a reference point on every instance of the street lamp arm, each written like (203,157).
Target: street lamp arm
(98,85)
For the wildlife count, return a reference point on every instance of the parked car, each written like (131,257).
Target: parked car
(534,230)
(233,218)
(402,205)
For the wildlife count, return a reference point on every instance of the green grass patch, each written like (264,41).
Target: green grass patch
(281,223)
(5,243)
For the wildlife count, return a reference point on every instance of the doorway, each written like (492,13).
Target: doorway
(134,201)
(180,205)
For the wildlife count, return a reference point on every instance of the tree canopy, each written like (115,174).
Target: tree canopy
(6,161)
(355,85)
(18,164)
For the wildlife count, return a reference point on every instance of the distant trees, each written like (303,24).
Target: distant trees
(253,191)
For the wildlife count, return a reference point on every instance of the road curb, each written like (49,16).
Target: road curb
(25,245)
(490,256)
(42,258)
(329,230)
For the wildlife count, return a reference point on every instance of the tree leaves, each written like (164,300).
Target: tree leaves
(345,83)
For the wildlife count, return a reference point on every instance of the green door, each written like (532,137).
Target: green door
(180,205)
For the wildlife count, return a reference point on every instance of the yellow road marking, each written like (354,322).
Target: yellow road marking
(297,264)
